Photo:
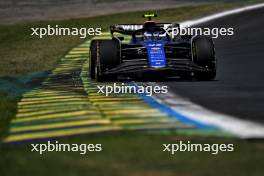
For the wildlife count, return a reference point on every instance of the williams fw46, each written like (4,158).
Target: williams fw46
(152,52)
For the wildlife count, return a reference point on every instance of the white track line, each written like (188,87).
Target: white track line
(241,128)
(238,127)
(220,15)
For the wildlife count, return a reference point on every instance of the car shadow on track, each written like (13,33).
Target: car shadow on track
(159,79)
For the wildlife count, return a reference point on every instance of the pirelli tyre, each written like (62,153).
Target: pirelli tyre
(92,60)
(107,57)
(204,55)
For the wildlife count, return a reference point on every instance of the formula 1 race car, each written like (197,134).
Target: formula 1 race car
(151,50)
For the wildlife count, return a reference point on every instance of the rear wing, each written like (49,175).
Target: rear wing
(128,29)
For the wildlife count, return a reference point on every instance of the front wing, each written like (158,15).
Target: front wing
(173,67)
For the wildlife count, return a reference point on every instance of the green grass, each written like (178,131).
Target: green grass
(11,89)
(134,154)
(7,109)
(124,154)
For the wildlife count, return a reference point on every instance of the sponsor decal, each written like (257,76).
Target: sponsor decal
(156,54)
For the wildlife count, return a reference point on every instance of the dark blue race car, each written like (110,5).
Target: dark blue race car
(152,51)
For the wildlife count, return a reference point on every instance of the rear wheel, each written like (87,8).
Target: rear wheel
(108,58)
(93,56)
(204,55)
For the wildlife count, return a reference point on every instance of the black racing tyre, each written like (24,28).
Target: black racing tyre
(204,55)
(203,50)
(109,57)
(93,56)
(98,76)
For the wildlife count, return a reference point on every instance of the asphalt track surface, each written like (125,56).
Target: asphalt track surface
(239,86)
